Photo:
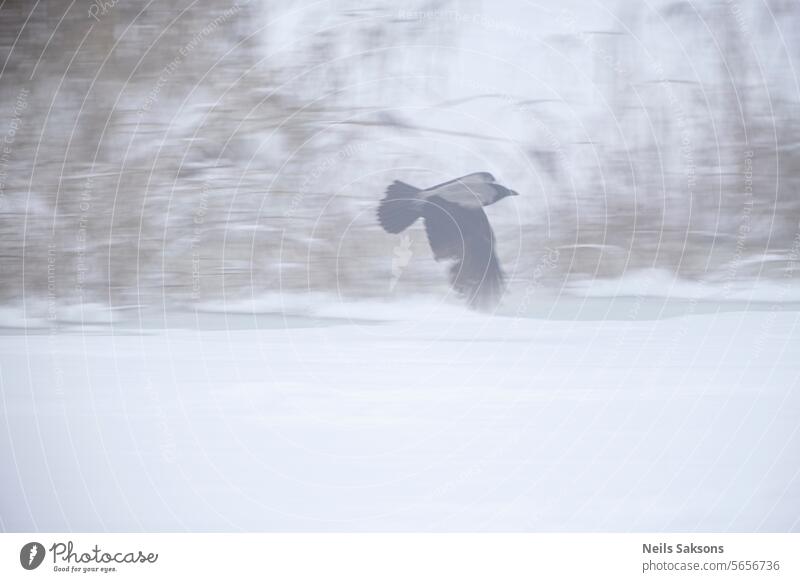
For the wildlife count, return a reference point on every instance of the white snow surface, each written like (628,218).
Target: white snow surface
(423,420)
(662,283)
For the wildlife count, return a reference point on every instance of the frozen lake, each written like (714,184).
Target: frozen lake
(624,416)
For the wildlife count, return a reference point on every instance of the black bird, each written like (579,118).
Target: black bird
(457,227)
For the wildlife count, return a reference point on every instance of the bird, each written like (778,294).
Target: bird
(458,230)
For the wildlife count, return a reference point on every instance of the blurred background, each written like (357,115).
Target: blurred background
(186,153)
(176,168)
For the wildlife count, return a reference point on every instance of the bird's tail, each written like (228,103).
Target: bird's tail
(400,207)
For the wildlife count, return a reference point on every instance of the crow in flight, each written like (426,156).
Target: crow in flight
(457,227)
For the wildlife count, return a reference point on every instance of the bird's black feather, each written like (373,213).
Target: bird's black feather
(399,208)
(463,235)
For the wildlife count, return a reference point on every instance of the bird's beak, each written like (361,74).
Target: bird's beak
(514,193)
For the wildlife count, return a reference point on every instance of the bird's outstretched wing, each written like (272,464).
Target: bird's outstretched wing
(463,235)
(471,190)
(475,179)
(484,177)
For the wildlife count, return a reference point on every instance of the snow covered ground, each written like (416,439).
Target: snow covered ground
(419,417)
